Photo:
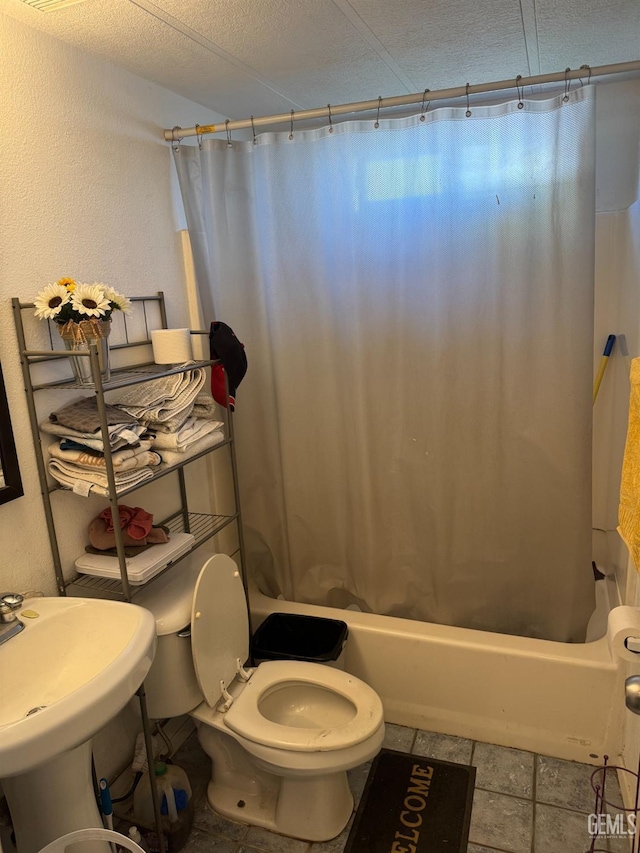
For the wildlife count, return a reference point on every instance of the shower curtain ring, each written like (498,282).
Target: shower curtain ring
(567,85)
(468,112)
(586,68)
(291,129)
(176,140)
(253,130)
(229,142)
(330,119)
(377,121)
(519,88)
(198,136)
(424,110)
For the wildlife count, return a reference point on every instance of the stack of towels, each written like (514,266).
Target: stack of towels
(160,423)
(77,456)
(180,416)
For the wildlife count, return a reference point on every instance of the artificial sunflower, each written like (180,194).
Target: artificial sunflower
(89,300)
(117,300)
(51,300)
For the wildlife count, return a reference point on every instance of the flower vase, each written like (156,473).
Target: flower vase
(77,337)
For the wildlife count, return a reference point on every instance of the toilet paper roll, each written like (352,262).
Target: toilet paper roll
(623,623)
(171,346)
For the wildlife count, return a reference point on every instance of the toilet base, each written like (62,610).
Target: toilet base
(313,809)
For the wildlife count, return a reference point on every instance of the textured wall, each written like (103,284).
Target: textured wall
(87,191)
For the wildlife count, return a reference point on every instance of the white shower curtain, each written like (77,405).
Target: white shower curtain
(416,302)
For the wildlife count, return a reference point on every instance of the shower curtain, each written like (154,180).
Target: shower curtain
(416,302)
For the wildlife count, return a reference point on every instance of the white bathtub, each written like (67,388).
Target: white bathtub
(564,700)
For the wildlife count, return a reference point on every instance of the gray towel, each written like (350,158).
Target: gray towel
(205,407)
(165,402)
(82,415)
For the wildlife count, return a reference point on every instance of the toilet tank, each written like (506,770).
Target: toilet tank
(171,686)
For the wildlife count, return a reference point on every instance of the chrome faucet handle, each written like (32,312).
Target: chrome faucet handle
(9,603)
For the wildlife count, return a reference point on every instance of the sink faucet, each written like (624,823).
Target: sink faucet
(10,625)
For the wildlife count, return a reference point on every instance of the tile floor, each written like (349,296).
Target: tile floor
(523,803)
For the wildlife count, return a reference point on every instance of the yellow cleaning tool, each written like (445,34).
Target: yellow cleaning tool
(603,364)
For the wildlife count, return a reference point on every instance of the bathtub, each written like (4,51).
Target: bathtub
(558,699)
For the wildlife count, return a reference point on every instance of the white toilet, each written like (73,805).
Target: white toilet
(280,736)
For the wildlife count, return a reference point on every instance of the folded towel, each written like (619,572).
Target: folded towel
(70,444)
(166,402)
(205,407)
(84,482)
(193,430)
(82,415)
(123,460)
(120,435)
(172,457)
(629,508)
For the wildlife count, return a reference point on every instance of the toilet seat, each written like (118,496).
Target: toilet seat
(358,712)
(285,705)
(219,626)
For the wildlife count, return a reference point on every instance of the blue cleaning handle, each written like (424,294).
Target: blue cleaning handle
(609,345)
(105,798)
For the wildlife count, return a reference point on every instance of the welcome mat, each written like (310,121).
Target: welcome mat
(413,804)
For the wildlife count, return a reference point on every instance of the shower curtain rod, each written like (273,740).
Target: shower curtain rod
(178,133)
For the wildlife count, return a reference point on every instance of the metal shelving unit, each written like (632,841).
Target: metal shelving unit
(202,526)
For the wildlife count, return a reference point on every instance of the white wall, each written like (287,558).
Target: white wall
(86,184)
(86,191)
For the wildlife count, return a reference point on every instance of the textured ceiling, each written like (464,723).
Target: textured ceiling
(244,57)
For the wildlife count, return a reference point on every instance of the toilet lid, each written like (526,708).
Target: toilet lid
(246,718)
(219,625)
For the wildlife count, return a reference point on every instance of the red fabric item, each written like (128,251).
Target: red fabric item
(225,347)
(135,520)
(218,386)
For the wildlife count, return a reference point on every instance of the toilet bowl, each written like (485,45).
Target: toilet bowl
(280,736)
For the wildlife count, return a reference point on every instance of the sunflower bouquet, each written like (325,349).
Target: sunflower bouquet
(82,314)
(70,301)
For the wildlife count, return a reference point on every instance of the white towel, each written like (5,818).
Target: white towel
(193,430)
(86,483)
(120,435)
(123,460)
(173,457)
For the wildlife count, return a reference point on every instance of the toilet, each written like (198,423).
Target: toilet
(281,736)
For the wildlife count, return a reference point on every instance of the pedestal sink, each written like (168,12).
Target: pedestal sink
(73,667)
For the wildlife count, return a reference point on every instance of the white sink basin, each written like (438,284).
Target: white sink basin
(78,661)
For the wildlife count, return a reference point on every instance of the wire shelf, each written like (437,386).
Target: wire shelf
(120,377)
(200,525)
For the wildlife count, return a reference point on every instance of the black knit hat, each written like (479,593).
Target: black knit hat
(224,345)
